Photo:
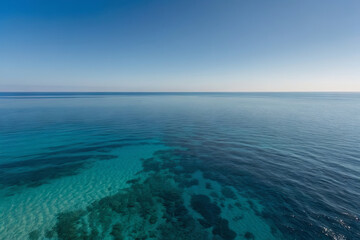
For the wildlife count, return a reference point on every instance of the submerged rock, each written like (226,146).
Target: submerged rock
(228,192)
(209,211)
(116,231)
(191,183)
(222,229)
(67,226)
(211,216)
(34,235)
(249,235)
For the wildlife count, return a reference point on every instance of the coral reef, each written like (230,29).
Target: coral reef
(154,207)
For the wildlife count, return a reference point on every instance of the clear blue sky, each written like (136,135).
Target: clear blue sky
(180,45)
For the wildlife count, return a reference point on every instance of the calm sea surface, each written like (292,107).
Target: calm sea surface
(217,166)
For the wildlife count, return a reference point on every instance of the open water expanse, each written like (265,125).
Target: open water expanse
(217,166)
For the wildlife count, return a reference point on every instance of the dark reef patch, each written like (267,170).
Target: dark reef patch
(228,193)
(61,161)
(38,177)
(34,235)
(249,235)
(211,216)
(152,207)
(33,173)
(222,229)
(116,231)
(190,183)
(68,225)
(208,210)
(44,161)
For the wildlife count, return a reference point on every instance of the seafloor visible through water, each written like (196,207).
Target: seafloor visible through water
(180,166)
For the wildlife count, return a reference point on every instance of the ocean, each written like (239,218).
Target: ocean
(217,166)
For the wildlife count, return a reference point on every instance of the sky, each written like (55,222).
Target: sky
(180,45)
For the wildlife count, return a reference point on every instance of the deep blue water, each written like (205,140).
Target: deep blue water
(241,165)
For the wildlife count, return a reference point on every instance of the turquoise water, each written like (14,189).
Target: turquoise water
(180,166)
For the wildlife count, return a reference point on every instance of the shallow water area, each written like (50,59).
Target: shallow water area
(36,208)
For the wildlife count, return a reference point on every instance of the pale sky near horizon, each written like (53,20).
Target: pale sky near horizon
(180,45)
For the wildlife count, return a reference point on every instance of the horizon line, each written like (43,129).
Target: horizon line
(109,92)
